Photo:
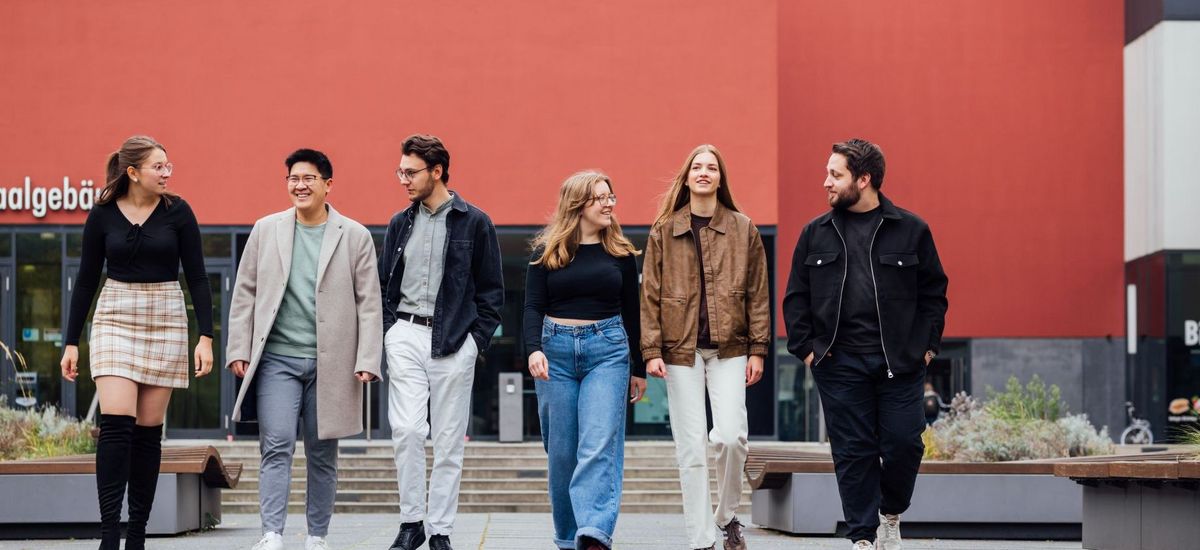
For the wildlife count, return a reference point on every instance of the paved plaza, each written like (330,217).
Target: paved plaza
(502,532)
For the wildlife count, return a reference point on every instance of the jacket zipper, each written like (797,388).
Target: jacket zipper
(841,291)
(871,262)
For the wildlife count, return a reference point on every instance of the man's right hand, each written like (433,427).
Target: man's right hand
(808,360)
(239,368)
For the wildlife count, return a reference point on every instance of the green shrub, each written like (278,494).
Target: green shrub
(1033,402)
(1022,423)
(41,434)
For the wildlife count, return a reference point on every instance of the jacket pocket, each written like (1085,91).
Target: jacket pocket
(733,318)
(824,273)
(897,276)
(899,260)
(458,258)
(821,259)
(674,317)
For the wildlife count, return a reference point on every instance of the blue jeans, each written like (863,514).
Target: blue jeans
(582,411)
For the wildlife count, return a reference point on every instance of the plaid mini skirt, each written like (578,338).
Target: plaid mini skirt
(140,332)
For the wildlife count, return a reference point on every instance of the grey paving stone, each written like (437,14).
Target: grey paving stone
(502,532)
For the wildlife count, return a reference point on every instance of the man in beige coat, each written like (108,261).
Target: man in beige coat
(304,334)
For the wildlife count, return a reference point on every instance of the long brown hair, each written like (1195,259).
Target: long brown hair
(679,194)
(560,238)
(133,152)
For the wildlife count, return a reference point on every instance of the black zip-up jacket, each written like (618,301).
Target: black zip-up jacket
(472,289)
(910,288)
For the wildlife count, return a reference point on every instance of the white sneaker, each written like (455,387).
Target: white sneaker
(887,537)
(315,543)
(863,545)
(270,541)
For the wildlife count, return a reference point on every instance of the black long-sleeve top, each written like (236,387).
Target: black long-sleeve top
(593,286)
(148,253)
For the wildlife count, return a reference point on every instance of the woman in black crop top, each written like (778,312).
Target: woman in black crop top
(581,331)
(139,336)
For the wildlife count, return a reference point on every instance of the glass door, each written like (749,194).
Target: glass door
(79,397)
(200,410)
(8,372)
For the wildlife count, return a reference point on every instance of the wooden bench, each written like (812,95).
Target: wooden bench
(1137,502)
(796,491)
(58,495)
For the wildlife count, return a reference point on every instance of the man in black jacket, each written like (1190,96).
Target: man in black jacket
(864,307)
(440,274)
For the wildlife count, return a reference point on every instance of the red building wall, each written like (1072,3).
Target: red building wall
(1001,119)
(1002,126)
(523,92)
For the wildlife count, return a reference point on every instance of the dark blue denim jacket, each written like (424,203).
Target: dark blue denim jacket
(472,287)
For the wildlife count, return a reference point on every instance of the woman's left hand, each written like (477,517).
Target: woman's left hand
(637,388)
(754,368)
(203,356)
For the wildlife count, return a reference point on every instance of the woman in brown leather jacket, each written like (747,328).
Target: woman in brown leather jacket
(706,326)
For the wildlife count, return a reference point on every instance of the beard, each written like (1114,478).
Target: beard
(421,195)
(847,198)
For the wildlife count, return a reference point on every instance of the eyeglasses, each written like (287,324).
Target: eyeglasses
(604,199)
(308,179)
(161,169)
(408,175)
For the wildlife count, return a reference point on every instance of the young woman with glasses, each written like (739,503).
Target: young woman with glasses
(138,350)
(705,328)
(581,328)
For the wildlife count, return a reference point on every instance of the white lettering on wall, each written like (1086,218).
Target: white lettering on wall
(40,200)
(1191,333)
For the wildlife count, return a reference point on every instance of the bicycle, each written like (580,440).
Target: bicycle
(1138,432)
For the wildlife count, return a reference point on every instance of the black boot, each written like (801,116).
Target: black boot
(112,474)
(145,458)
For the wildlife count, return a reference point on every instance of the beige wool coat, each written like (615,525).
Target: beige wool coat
(349,315)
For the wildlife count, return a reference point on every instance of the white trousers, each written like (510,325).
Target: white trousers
(725,380)
(423,391)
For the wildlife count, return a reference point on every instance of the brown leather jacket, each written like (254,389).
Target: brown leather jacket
(735,266)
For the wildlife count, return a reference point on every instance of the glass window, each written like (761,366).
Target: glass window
(39,317)
(75,242)
(5,244)
(199,408)
(216,245)
(85,387)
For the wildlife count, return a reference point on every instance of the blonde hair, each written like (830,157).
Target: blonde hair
(560,238)
(679,194)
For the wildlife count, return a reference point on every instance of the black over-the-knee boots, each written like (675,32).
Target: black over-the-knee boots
(112,475)
(145,458)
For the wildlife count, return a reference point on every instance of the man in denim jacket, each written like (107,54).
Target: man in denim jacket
(440,275)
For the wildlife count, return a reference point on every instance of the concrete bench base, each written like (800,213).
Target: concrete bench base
(1141,515)
(61,505)
(1003,506)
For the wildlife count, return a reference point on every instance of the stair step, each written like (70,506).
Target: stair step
(466,508)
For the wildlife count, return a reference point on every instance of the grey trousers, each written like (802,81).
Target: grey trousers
(287,394)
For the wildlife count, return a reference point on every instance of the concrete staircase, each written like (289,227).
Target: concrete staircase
(497,477)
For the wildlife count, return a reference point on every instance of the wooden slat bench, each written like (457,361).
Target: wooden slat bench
(795,491)
(188,495)
(1139,502)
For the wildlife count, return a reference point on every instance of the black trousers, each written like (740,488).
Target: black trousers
(874,425)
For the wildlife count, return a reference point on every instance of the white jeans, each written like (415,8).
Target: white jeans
(725,380)
(415,381)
